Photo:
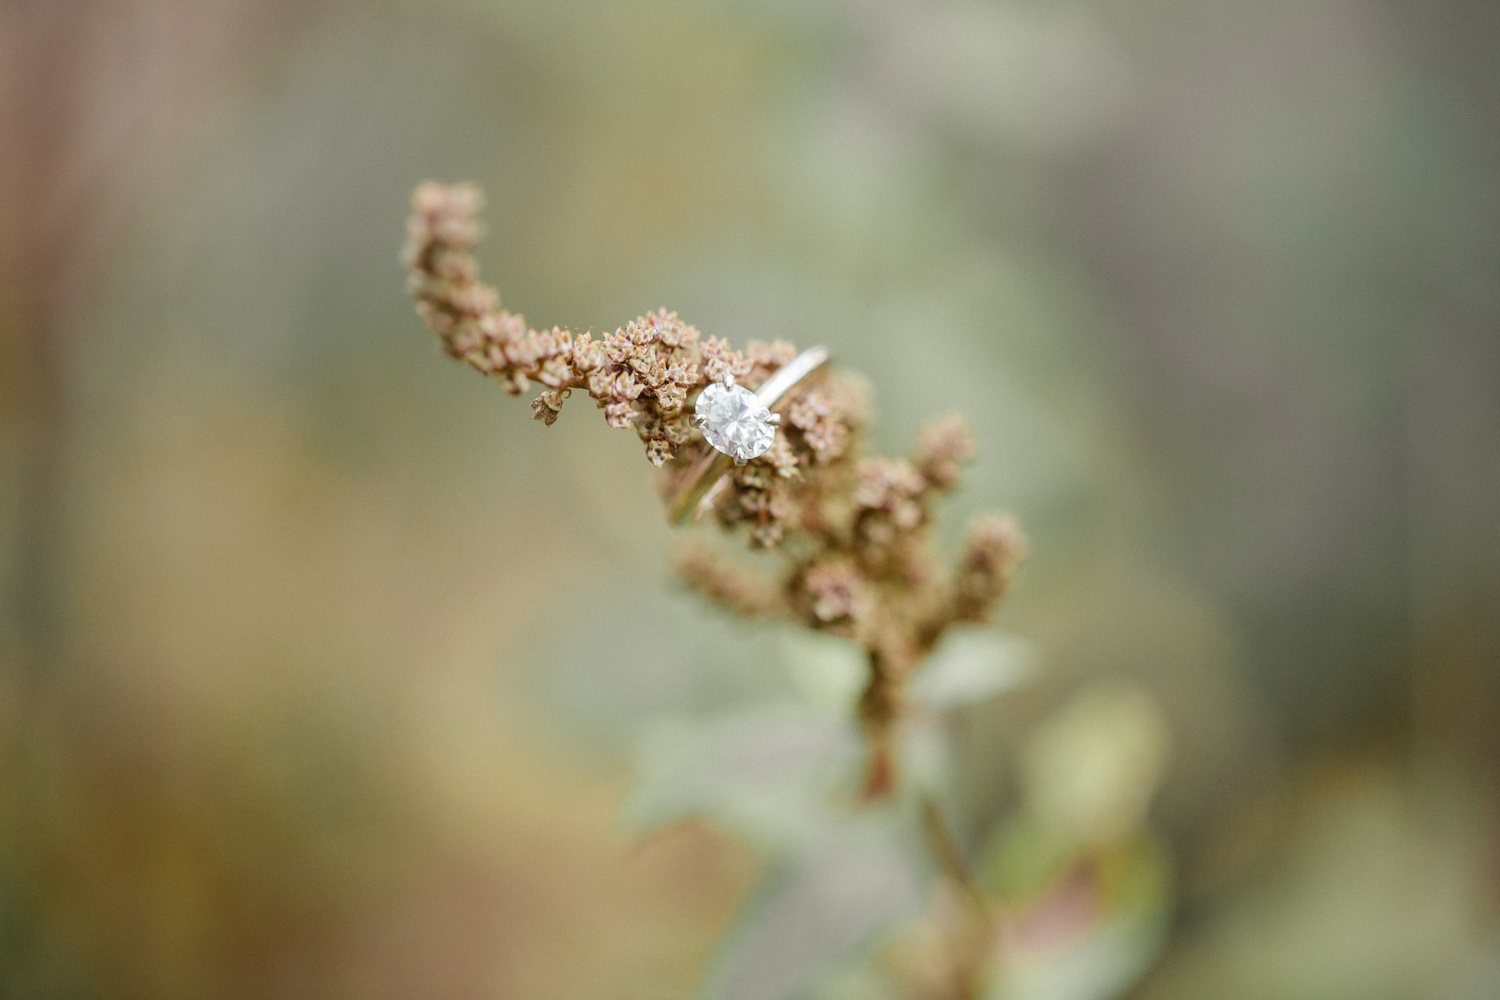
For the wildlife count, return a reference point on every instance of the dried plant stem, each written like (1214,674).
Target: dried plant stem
(879,711)
(949,858)
(854,529)
(971,945)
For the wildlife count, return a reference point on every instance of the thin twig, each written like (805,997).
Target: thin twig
(971,947)
(949,858)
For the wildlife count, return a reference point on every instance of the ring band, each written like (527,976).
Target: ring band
(701,478)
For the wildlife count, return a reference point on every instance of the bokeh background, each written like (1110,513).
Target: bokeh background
(320,664)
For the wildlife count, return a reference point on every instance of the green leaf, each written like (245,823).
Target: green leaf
(769,774)
(827,671)
(818,914)
(971,665)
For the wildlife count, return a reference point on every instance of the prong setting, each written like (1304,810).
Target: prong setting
(734,420)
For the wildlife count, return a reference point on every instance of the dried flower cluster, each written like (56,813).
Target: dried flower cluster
(641,375)
(854,530)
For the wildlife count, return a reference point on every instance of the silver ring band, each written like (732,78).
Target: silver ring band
(699,481)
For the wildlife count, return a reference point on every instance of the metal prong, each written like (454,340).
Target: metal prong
(774,419)
(738,460)
(729,380)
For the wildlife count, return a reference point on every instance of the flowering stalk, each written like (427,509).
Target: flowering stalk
(854,530)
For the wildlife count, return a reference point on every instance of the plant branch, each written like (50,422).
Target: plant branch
(971,949)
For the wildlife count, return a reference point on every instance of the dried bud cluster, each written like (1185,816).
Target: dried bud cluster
(854,529)
(641,375)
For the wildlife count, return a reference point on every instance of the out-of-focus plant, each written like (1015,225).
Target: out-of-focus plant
(857,825)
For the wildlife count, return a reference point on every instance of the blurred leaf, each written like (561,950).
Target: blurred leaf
(1021,858)
(1090,772)
(1099,966)
(777,776)
(827,671)
(864,981)
(971,665)
(1091,931)
(768,774)
(927,756)
(816,915)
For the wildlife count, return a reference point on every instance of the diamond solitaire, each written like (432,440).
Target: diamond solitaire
(735,421)
(738,426)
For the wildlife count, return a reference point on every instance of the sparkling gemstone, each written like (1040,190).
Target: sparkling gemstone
(734,421)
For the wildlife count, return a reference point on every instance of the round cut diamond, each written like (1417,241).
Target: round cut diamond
(734,421)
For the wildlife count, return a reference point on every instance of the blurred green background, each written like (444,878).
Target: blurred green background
(320,664)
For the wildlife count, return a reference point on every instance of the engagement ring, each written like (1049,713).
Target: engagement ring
(738,425)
